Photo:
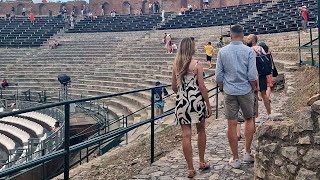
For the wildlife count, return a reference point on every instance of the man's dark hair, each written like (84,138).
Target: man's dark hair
(209,43)
(237,30)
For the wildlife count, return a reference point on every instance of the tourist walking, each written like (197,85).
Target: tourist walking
(236,75)
(168,41)
(159,102)
(263,85)
(304,18)
(162,16)
(23,11)
(274,69)
(205,4)
(209,52)
(192,101)
(32,18)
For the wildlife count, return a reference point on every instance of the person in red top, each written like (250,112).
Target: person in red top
(32,18)
(4,83)
(305,17)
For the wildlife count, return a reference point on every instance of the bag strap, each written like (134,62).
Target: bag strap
(274,65)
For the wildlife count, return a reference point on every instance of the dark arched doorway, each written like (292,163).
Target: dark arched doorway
(19,9)
(42,9)
(144,6)
(126,7)
(184,3)
(106,8)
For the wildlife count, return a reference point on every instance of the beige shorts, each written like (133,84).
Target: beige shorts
(234,103)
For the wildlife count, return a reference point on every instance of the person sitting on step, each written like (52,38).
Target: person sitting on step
(4,83)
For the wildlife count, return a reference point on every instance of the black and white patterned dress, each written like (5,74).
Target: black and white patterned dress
(190,105)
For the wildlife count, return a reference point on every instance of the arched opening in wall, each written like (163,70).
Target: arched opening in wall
(42,8)
(126,7)
(106,8)
(19,9)
(144,6)
(184,3)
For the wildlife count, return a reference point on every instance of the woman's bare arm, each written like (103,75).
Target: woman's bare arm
(202,86)
(174,79)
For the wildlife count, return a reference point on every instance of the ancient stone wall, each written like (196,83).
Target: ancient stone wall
(290,149)
(121,6)
(40,8)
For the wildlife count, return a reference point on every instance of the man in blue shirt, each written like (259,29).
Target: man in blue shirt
(236,75)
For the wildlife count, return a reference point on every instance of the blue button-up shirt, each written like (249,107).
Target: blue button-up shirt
(236,66)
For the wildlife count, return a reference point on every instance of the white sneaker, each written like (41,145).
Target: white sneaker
(235,163)
(248,157)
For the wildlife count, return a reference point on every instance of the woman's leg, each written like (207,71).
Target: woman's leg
(186,145)
(202,140)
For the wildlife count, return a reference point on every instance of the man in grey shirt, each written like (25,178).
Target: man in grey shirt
(236,75)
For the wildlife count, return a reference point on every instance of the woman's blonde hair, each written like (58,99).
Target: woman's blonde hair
(183,59)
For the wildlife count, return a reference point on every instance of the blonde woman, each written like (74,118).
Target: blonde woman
(192,106)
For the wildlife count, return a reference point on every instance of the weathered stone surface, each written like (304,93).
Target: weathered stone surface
(316,106)
(305,140)
(214,177)
(305,174)
(304,122)
(283,170)
(312,158)
(316,139)
(274,177)
(313,99)
(291,168)
(158,173)
(290,153)
(278,162)
(260,172)
(276,116)
(270,147)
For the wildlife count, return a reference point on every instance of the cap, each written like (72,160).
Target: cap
(158,83)
(304,6)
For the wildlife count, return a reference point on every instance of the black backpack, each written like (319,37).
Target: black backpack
(264,65)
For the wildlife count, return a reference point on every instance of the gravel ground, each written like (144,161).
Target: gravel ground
(307,85)
(127,161)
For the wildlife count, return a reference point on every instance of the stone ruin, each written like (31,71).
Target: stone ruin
(290,148)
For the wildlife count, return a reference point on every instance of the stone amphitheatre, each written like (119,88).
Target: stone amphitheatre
(106,122)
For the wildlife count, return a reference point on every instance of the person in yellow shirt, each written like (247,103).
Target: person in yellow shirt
(209,51)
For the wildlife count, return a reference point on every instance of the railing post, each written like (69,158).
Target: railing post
(152,126)
(127,132)
(318,19)
(66,140)
(80,157)
(108,122)
(87,156)
(311,44)
(217,102)
(42,154)
(299,37)
(99,141)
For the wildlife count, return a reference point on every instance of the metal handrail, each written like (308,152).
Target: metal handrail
(90,142)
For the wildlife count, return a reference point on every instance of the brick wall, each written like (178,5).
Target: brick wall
(121,6)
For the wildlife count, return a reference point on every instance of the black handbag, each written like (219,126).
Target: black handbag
(274,69)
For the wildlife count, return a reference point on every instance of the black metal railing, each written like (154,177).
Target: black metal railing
(94,142)
(310,47)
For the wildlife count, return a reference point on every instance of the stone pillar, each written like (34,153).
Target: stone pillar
(290,149)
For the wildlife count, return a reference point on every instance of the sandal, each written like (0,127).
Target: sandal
(204,166)
(191,173)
